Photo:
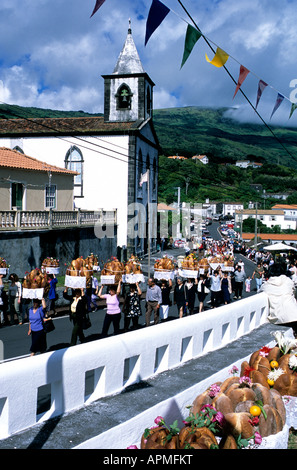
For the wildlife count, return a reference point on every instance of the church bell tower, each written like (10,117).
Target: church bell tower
(128,91)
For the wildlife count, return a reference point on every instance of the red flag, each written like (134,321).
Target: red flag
(99,3)
(157,13)
(242,76)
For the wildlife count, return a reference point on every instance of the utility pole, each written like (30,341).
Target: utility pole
(178,212)
(256,226)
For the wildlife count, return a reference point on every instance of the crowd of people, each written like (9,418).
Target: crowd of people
(210,289)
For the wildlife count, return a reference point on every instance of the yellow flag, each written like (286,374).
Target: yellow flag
(219,59)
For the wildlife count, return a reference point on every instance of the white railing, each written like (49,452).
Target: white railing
(117,362)
(34,220)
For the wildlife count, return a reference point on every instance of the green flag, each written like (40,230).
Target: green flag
(192,37)
(293,107)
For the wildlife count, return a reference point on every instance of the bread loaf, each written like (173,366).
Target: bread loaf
(238,424)
(286,384)
(262,393)
(272,424)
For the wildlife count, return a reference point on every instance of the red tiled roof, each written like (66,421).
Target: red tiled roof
(14,159)
(62,126)
(271,236)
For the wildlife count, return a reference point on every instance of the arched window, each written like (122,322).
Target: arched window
(74,161)
(139,173)
(124,97)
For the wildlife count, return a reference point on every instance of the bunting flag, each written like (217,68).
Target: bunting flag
(278,102)
(157,13)
(261,87)
(293,107)
(219,59)
(192,36)
(243,72)
(99,3)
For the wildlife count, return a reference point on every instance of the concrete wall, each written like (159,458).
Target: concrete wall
(26,250)
(34,183)
(117,362)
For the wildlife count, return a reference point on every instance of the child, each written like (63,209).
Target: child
(248,284)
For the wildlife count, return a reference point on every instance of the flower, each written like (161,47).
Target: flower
(234,370)
(219,417)
(284,344)
(159,420)
(254,421)
(275,374)
(214,390)
(257,438)
(293,361)
(264,351)
(132,447)
(245,381)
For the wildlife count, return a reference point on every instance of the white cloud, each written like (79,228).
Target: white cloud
(52,56)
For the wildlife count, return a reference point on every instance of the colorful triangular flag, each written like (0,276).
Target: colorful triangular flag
(99,3)
(261,87)
(278,102)
(157,13)
(293,107)
(192,36)
(243,72)
(219,59)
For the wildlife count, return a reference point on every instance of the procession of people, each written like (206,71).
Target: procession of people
(205,290)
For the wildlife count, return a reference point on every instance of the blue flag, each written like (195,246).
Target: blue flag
(157,13)
(99,3)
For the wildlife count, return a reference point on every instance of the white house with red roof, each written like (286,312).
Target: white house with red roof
(30,184)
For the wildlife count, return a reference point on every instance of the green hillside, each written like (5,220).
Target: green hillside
(192,131)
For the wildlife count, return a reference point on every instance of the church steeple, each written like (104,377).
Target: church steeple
(128,90)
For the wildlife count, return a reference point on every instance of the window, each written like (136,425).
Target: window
(50,196)
(124,97)
(74,161)
(17,192)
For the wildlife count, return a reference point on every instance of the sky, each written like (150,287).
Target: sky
(53,53)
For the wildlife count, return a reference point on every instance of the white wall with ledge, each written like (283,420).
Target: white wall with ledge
(117,362)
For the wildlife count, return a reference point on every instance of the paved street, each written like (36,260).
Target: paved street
(16,341)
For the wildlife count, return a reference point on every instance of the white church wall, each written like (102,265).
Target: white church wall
(105,170)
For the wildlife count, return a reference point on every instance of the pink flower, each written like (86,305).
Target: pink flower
(257,438)
(159,420)
(214,390)
(219,417)
(132,447)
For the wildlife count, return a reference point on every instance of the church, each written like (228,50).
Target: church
(110,153)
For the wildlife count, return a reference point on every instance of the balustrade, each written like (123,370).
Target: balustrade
(35,220)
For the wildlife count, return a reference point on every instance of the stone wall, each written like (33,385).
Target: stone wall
(26,250)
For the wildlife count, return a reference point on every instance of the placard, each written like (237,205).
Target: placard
(108,280)
(164,275)
(75,282)
(133,278)
(32,293)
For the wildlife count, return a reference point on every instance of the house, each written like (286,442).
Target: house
(290,211)
(30,184)
(270,238)
(248,164)
(229,208)
(177,157)
(270,218)
(201,158)
(110,153)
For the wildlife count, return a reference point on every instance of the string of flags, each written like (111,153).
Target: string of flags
(158,12)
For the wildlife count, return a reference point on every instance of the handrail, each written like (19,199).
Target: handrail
(36,220)
(117,362)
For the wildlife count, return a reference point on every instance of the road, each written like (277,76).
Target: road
(16,342)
